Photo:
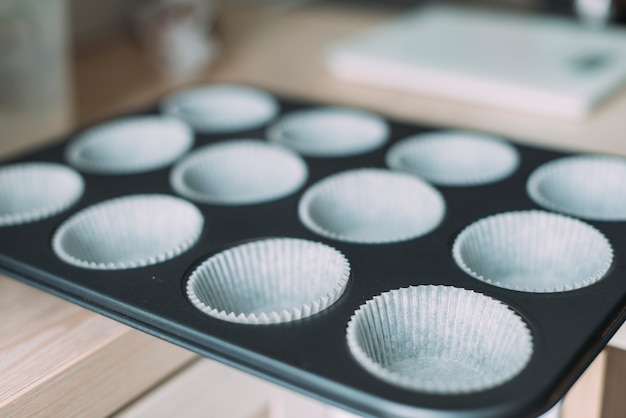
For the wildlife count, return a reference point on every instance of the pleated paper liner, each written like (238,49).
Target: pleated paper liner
(130,145)
(31,192)
(128,232)
(221,108)
(586,186)
(330,132)
(269,281)
(239,172)
(439,340)
(371,206)
(533,251)
(454,158)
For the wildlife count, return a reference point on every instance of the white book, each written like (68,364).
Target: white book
(538,64)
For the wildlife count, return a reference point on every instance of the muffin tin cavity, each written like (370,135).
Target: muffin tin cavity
(239,172)
(330,132)
(128,232)
(454,158)
(222,108)
(269,281)
(533,251)
(586,186)
(439,340)
(30,192)
(371,206)
(130,145)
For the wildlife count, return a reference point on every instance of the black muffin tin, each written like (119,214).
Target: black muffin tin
(311,355)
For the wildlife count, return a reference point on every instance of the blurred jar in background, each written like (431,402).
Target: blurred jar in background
(177,35)
(35,99)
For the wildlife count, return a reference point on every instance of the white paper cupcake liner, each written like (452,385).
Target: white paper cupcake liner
(240,172)
(371,206)
(128,232)
(454,158)
(130,145)
(590,187)
(269,281)
(439,340)
(330,132)
(31,192)
(221,108)
(533,251)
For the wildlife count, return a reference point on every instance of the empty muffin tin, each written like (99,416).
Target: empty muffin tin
(395,317)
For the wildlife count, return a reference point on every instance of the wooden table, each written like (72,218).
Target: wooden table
(59,360)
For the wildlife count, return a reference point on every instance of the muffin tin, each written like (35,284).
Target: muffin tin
(323,270)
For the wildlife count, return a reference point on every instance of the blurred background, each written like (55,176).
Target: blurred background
(54,73)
